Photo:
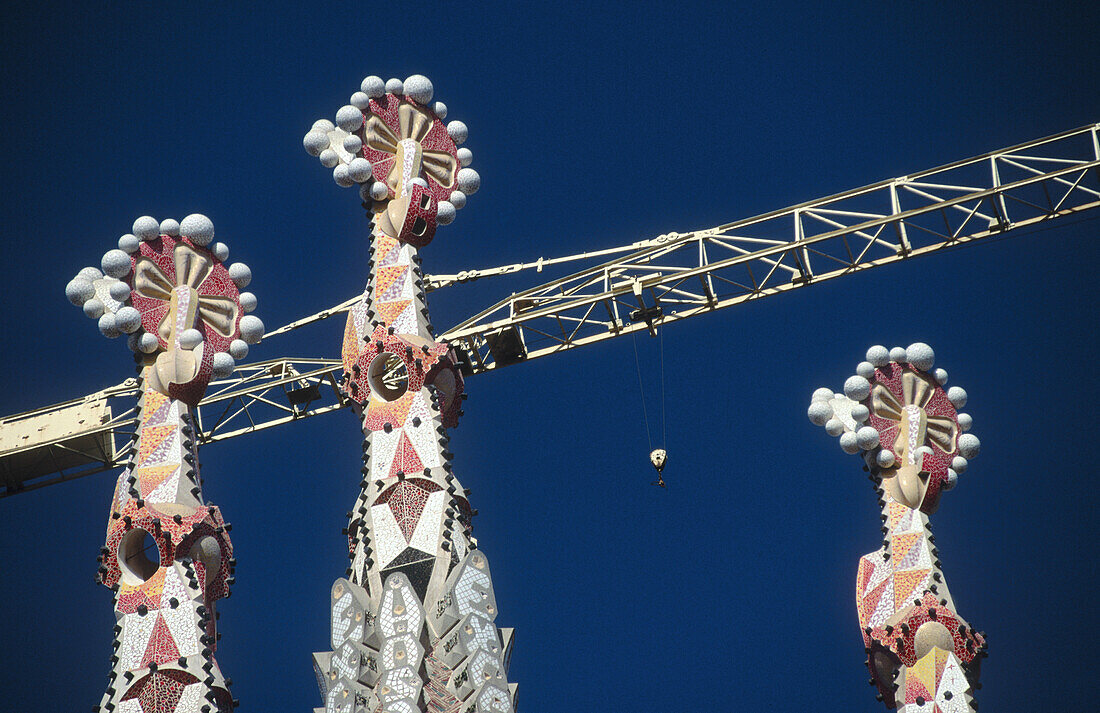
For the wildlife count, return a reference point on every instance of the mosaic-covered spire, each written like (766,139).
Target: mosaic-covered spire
(413,623)
(895,412)
(167,554)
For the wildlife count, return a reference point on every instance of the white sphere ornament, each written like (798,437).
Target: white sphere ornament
(198,229)
(458,132)
(468,181)
(221,251)
(419,181)
(93,308)
(822,394)
(952,480)
(878,355)
(966,421)
(129,243)
(373,87)
(170,226)
(959,464)
(445,213)
(128,320)
(79,291)
(379,191)
(353,144)
(360,101)
(867,437)
(116,263)
(223,365)
(190,338)
(395,86)
(241,274)
(465,156)
(90,274)
(323,125)
(315,142)
(440,110)
(857,388)
(940,376)
(148,343)
(866,369)
(119,292)
(819,412)
(920,356)
(248,303)
(328,158)
(238,349)
(969,446)
(849,443)
(834,427)
(108,327)
(419,89)
(885,459)
(146,228)
(340,175)
(860,413)
(252,329)
(349,118)
(957,396)
(457,199)
(898,354)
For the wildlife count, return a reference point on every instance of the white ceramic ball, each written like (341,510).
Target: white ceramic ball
(221,251)
(867,438)
(952,480)
(148,343)
(819,412)
(79,291)
(957,396)
(323,125)
(116,263)
(93,308)
(419,88)
(866,369)
(373,86)
(885,459)
(108,327)
(238,349)
(340,175)
(146,228)
(457,199)
(360,101)
(315,142)
(898,354)
(128,320)
(860,413)
(834,427)
(419,181)
(379,191)
(969,446)
(941,376)
(129,243)
(468,181)
(465,156)
(353,144)
(966,421)
(440,110)
(223,365)
(857,388)
(91,274)
(959,464)
(170,226)
(878,355)
(119,292)
(458,132)
(920,356)
(395,86)
(198,229)
(252,329)
(190,338)
(349,118)
(248,303)
(329,158)
(241,274)
(822,394)
(849,443)
(445,213)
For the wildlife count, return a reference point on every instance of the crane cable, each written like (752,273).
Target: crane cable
(641,391)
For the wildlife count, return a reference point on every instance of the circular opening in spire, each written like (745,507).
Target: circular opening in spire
(388,377)
(138,556)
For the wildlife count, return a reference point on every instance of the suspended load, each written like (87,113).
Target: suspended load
(658,458)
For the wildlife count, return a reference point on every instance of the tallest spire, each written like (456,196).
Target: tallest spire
(413,623)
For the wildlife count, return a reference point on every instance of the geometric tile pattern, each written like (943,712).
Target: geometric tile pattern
(413,558)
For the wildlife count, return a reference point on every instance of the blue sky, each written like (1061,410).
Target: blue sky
(734,588)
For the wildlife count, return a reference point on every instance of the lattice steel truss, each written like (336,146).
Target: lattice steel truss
(643,286)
